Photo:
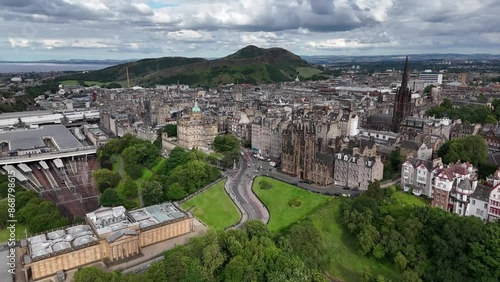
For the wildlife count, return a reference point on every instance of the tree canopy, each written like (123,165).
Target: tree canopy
(467,113)
(250,254)
(226,143)
(471,149)
(152,193)
(425,243)
(110,198)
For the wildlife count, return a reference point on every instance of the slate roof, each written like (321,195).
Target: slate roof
(482,192)
(412,145)
(465,185)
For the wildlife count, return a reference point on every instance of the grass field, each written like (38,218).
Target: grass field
(146,174)
(5,233)
(214,207)
(277,200)
(346,262)
(307,72)
(409,199)
(158,164)
(88,82)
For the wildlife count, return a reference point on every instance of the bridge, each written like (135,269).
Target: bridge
(48,156)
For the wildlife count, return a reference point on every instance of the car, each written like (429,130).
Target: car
(355,189)
(346,188)
(337,194)
(295,183)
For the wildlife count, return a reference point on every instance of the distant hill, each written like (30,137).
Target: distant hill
(248,65)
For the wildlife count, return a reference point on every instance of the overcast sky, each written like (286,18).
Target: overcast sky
(123,29)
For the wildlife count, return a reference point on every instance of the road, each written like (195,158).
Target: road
(239,188)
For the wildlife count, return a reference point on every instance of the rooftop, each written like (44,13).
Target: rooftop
(156,214)
(60,240)
(34,138)
(106,219)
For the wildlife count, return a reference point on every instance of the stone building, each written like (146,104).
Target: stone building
(108,234)
(415,149)
(301,155)
(355,168)
(196,130)
(460,130)
(266,135)
(491,133)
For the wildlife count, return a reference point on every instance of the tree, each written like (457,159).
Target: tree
(366,275)
(446,104)
(471,149)
(130,188)
(106,178)
(110,198)
(178,156)
(93,274)
(171,130)
(226,143)
(4,188)
(152,193)
(374,191)
(175,192)
(400,261)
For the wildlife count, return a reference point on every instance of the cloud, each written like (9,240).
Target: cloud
(124,28)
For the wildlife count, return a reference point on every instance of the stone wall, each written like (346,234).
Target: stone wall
(65,261)
(165,232)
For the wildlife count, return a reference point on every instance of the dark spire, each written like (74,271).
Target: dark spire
(404,83)
(402,103)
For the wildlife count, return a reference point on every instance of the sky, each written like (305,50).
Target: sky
(134,29)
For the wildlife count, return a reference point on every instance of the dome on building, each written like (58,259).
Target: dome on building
(196,109)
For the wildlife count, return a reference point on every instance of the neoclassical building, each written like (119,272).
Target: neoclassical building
(196,130)
(108,234)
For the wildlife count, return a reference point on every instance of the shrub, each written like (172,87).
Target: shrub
(294,203)
(264,184)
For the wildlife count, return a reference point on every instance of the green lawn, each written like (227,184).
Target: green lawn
(88,82)
(158,164)
(346,262)
(409,199)
(5,233)
(277,200)
(214,207)
(307,72)
(146,173)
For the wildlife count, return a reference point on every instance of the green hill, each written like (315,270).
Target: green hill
(248,65)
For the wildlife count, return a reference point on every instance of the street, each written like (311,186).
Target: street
(239,188)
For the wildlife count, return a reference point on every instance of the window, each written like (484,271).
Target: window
(473,202)
(485,205)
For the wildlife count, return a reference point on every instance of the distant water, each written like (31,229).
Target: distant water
(46,67)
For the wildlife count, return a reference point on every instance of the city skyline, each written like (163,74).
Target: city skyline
(118,29)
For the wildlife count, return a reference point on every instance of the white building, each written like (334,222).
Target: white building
(432,78)
(479,202)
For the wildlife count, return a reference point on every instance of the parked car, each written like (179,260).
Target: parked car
(355,189)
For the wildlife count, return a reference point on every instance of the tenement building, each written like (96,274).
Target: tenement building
(355,168)
(108,234)
(196,130)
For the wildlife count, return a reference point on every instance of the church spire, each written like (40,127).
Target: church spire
(402,102)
